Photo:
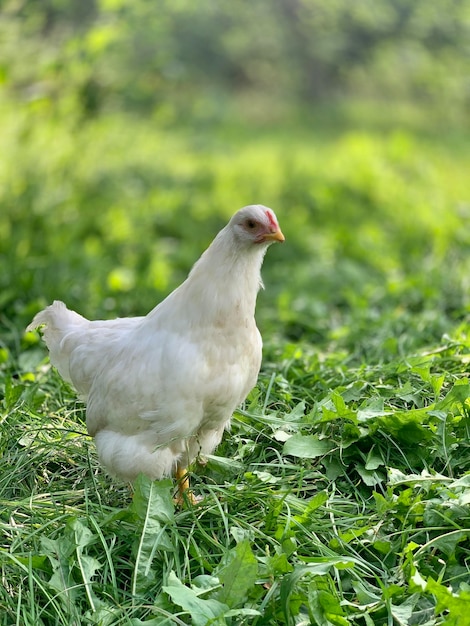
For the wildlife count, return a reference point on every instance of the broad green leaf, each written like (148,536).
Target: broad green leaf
(325,608)
(106,615)
(312,505)
(447,542)
(153,500)
(5,354)
(278,564)
(202,611)
(13,392)
(408,426)
(382,504)
(373,461)
(408,393)
(297,413)
(306,446)
(354,391)
(241,612)
(396,477)
(370,413)
(334,407)
(238,575)
(457,395)
(333,468)
(370,477)
(322,565)
(382,546)
(281,435)
(317,567)
(404,612)
(88,567)
(39,562)
(154,509)
(316,502)
(60,551)
(353,533)
(81,534)
(226,466)
(340,405)
(437,382)
(456,605)
(86,564)
(366,593)
(205,582)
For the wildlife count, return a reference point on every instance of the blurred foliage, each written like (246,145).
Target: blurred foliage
(111,216)
(132,130)
(168,58)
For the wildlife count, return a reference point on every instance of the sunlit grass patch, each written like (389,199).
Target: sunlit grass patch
(340,495)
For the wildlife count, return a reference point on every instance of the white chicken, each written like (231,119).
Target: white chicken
(161,389)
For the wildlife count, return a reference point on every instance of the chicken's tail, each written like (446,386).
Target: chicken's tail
(59,323)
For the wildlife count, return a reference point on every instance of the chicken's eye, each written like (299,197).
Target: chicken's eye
(251,224)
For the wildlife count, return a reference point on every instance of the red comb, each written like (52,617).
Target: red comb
(272,219)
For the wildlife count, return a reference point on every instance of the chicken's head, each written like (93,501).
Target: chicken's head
(256,224)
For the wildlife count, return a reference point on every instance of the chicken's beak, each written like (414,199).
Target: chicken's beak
(274,236)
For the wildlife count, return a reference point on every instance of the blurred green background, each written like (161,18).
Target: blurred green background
(131,131)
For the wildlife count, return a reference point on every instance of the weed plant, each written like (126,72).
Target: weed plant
(341,494)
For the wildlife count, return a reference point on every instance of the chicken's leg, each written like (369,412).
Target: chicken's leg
(184,491)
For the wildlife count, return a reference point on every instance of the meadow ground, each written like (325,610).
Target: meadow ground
(341,494)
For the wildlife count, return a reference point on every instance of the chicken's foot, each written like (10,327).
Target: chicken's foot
(184,492)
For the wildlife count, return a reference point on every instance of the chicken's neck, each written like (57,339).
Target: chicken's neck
(221,288)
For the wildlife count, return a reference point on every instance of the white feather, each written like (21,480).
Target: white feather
(160,389)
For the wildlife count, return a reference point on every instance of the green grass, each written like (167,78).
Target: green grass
(341,495)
